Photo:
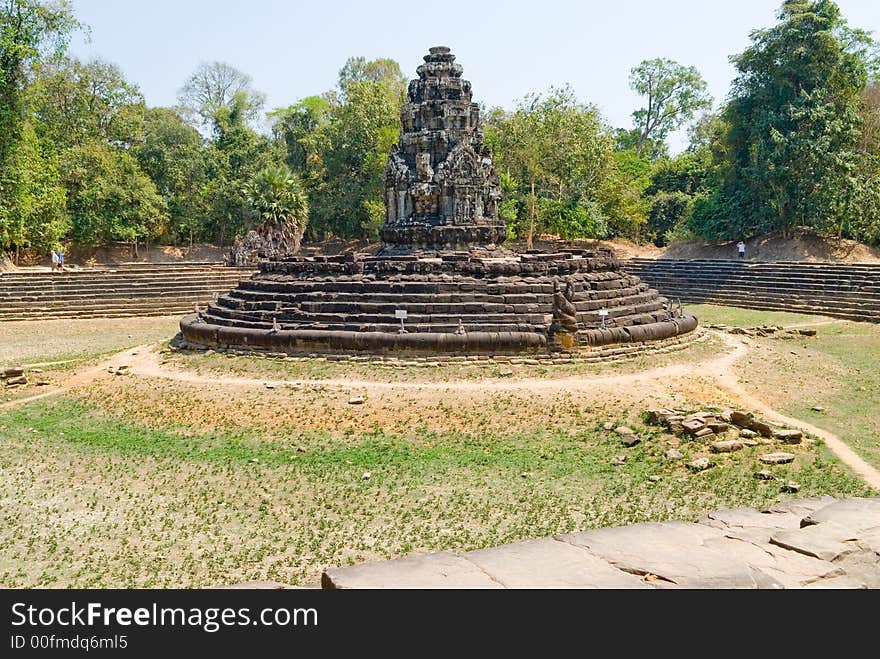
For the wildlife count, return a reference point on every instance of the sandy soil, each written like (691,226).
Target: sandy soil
(322,404)
(807,246)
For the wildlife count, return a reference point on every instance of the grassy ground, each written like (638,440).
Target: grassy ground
(831,380)
(95,502)
(77,340)
(137,481)
(734,316)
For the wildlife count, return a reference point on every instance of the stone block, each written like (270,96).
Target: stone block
(726,446)
(442,570)
(550,563)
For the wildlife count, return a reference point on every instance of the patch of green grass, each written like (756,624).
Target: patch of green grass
(91,500)
(847,387)
(735,316)
(30,342)
(837,370)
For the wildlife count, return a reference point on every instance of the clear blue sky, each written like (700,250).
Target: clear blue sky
(508,48)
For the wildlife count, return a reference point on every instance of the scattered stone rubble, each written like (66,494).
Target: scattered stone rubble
(13,376)
(712,426)
(776,331)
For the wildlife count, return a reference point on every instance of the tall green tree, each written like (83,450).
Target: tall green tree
(235,154)
(294,127)
(78,102)
(794,123)
(864,223)
(31,200)
(673,93)
(560,155)
(382,70)
(33,206)
(109,197)
(173,154)
(350,150)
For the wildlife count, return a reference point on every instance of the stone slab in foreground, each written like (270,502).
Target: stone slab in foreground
(807,543)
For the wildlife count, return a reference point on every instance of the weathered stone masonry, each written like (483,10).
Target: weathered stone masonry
(442,263)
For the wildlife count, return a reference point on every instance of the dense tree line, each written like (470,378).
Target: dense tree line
(82,157)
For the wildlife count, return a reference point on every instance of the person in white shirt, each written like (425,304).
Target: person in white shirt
(741,247)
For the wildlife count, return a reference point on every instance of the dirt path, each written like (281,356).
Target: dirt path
(729,381)
(144,361)
(77,379)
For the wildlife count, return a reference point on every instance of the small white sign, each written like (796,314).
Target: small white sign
(603,312)
(400,314)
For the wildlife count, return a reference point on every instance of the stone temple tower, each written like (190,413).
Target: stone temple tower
(441,189)
(441,271)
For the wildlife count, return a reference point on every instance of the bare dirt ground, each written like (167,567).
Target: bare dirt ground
(710,381)
(193,470)
(806,246)
(435,406)
(25,342)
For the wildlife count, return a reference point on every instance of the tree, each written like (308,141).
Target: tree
(674,94)
(31,200)
(77,102)
(864,224)
(277,197)
(32,210)
(794,123)
(382,70)
(560,155)
(631,140)
(294,125)
(29,30)
(350,150)
(214,87)
(234,155)
(109,197)
(172,154)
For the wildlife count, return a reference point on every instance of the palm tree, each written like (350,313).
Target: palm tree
(279,200)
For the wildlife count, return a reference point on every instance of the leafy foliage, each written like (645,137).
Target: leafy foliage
(558,156)
(31,200)
(674,94)
(280,203)
(83,158)
(109,197)
(348,151)
(793,126)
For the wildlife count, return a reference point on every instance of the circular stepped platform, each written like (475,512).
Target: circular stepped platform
(455,303)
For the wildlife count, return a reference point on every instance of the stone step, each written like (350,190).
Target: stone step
(100,313)
(810,282)
(833,299)
(117,280)
(838,290)
(836,299)
(794,277)
(736,263)
(393,328)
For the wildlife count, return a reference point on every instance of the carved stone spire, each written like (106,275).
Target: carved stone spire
(441,189)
